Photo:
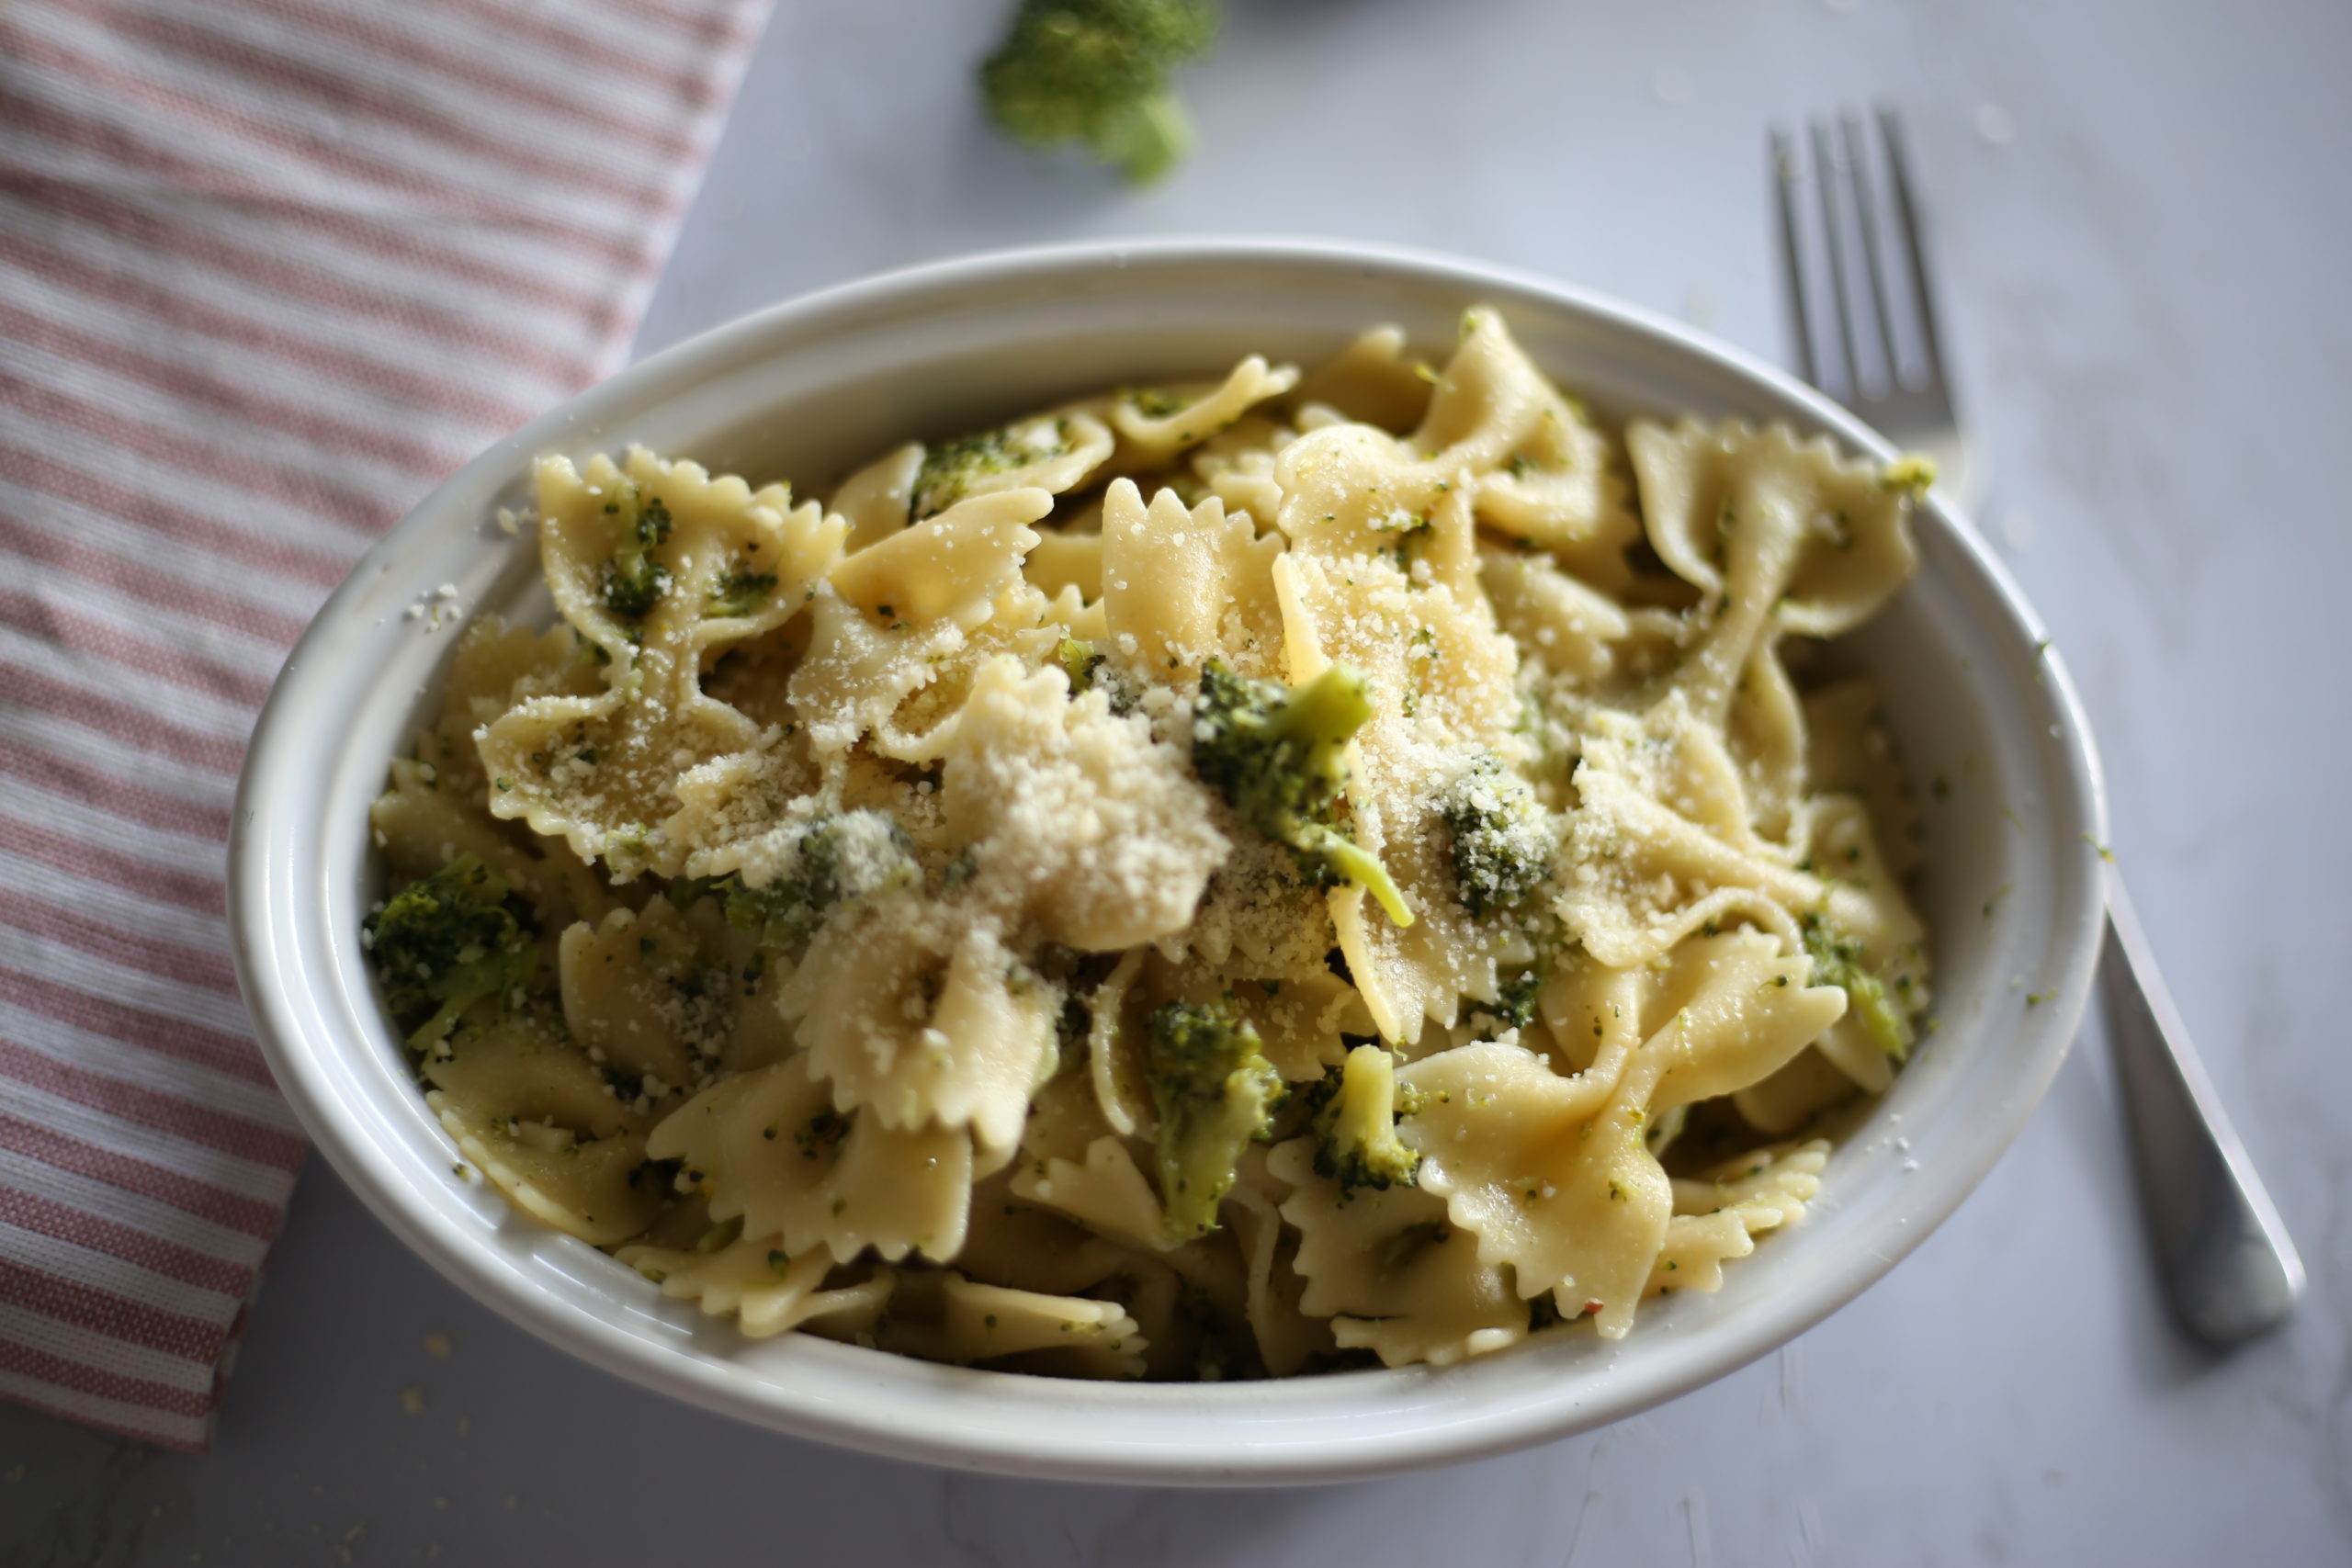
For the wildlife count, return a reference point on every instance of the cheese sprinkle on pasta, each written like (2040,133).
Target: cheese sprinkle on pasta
(1216,880)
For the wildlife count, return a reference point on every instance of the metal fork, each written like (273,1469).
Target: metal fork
(2222,1250)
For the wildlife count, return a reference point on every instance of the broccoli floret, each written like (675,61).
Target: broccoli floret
(1095,72)
(1354,1123)
(1515,995)
(852,855)
(1085,665)
(950,469)
(633,581)
(1157,403)
(1837,961)
(1079,660)
(1215,1092)
(1502,845)
(740,592)
(1275,755)
(449,940)
(1912,474)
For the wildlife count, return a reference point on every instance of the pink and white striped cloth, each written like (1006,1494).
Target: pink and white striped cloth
(268,270)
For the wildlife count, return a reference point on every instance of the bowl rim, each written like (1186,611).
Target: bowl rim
(264,893)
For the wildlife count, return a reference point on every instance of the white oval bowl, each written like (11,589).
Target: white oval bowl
(807,389)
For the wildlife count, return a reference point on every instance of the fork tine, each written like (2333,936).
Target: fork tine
(1907,216)
(1866,219)
(1784,186)
(1833,225)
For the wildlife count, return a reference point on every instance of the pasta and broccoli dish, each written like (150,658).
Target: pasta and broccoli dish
(1207,881)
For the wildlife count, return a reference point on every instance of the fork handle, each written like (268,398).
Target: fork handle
(2223,1253)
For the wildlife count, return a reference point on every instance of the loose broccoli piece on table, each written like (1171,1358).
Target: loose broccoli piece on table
(1275,754)
(950,469)
(446,942)
(852,855)
(634,581)
(1215,1092)
(1502,845)
(1095,72)
(1354,1123)
(1837,961)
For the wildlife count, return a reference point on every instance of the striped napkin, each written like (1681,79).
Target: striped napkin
(268,270)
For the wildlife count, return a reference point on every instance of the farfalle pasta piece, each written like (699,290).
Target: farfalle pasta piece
(754,1281)
(984,1323)
(738,797)
(1237,467)
(1286,1334)
(1769,1187)
(950,567)
(644,1000)
(1154,424)
(1553,1174)
(434,810)
(858,672)
(1372,381)
(1715,1222)
(877,501)
(1078,824)
(1053,453)
(1065,561)
(1764,731)
(1538,465)
(1023,625)
(659,565)
(923,1018)
(1808,1084)
(1305,1016)
(1182,585)
(896,635)
(1010,1241)
(1548,1175)
(1693,1252)
(1781,536)
(770,1149)
(1442,677)
(1109,1193)
(1351,490)
(1558,618)
(1660,845)
(494,667)
(534,1115)
(1725,1012)
(1389,1270)
(1382,576)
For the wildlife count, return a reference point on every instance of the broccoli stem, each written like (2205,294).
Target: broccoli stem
(1147,138)
(1360,866)
(1837,960)
(1215,1093)
(1277,755)
(1327,710)
(1354,1124)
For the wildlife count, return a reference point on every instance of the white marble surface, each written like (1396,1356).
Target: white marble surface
(2144,232)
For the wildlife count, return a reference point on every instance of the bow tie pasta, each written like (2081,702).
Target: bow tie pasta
(1224,879)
